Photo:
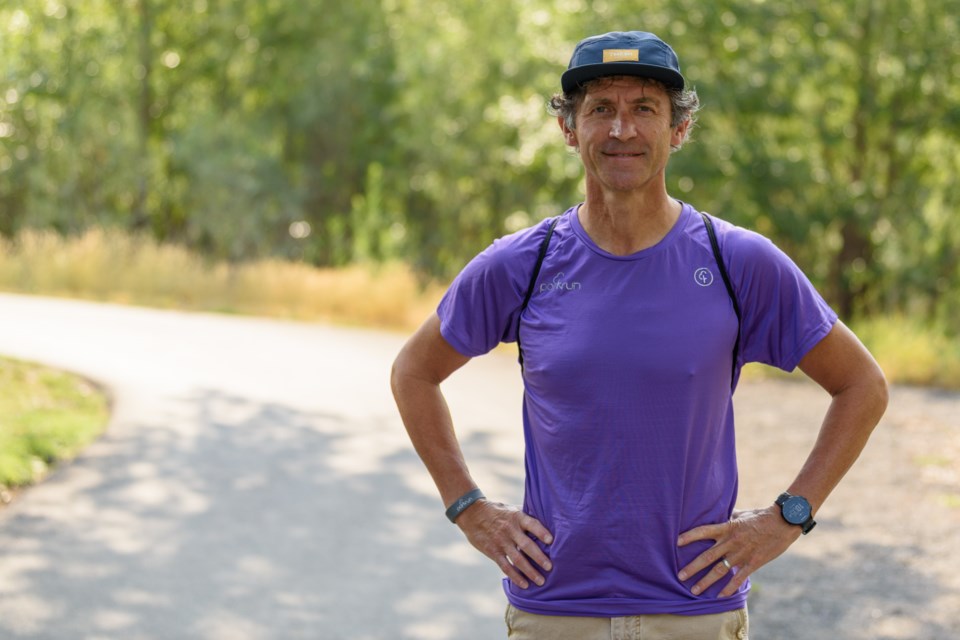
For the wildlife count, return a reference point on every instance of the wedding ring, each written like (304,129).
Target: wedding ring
(726,563)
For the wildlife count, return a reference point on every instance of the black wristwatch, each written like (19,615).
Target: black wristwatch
(796,510)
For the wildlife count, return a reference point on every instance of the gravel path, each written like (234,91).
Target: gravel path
(881,564)
(255,483)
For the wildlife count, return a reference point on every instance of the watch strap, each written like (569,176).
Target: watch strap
(807,525)
(462,503)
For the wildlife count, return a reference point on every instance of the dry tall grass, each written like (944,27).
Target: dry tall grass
(114,266)
(117,267)
(911,351)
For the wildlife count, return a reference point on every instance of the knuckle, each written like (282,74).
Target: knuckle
(537,556)
(527,546)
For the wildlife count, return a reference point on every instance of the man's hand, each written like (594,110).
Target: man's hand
(748,541)
(751,539)
(502,533)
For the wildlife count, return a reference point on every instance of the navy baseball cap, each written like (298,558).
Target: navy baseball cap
(622,53)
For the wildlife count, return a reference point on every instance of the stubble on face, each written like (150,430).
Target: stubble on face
(623,133)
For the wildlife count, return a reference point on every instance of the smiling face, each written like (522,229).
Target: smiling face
(623,134)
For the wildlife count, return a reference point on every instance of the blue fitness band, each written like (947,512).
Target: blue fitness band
(460,504)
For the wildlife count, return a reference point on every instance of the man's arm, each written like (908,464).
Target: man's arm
(497,530)
(846,370)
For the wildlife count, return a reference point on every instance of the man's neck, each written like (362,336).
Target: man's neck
(623,224)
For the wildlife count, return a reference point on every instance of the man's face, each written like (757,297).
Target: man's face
(623,134)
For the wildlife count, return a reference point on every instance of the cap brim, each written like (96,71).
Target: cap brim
(578,75)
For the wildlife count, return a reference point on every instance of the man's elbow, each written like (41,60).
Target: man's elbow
(407,371)
(876,391)
(398,372)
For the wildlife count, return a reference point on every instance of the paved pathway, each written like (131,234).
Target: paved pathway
(256,483)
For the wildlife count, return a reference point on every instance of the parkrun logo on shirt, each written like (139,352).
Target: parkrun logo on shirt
(559,284)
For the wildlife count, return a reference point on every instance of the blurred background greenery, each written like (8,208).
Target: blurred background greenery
(334,134)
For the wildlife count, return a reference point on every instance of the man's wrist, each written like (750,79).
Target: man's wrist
(797,511)
(462,503)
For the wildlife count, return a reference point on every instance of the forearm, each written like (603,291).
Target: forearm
(846,370)
(425,361)
(501,532)
(429,424)
(847,425)
(753,538)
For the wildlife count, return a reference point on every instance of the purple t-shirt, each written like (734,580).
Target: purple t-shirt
(627,411)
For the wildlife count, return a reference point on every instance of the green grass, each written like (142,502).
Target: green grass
(46,416)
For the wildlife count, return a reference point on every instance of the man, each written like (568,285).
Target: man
(631,348)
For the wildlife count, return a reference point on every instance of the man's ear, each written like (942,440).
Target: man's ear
(569,135)
(679,133)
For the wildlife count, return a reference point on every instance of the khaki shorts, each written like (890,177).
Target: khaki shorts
(732,625)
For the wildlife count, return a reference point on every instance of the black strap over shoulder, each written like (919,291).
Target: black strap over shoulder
(533,279)
(714,245)
(726,281)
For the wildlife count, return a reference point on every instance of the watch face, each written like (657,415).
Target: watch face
(796,510)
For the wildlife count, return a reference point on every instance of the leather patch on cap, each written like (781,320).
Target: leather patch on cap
(621,55)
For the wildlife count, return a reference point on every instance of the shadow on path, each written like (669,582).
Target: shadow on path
(226,518)
(869,594)
(243,520)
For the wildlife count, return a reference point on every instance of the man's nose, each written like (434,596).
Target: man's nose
(622,128)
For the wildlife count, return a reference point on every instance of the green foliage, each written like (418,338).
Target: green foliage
(337,132)
(912,351)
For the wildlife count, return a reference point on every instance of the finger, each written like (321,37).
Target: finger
(718,571)
(511,572)
(536,528)
(522,563)
(530,549)
(740,576)
(708,558)
(705,532)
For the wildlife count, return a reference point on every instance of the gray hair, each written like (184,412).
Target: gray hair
(684,103)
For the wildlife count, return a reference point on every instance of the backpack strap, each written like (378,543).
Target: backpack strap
(726,281)
(533,280)
(714,245)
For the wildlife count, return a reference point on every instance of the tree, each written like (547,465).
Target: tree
(378,129)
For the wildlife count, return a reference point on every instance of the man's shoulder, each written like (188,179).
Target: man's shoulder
(534,233)
(521,243)
(736,240)
(750,256)
(510,257)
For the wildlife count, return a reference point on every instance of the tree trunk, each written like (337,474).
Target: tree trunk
(140,214)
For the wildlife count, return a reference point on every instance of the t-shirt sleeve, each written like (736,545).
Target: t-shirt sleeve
(783,314)
(481,307)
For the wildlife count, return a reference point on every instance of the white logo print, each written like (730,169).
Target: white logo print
(703,277)
(559,284)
